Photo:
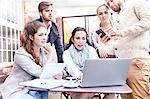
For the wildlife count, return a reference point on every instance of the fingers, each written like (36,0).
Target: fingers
(103,53)
(58,76)
(105,39)
(48,47)
(64,74)
(114,32)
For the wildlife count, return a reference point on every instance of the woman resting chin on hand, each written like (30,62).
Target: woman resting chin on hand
(29,61)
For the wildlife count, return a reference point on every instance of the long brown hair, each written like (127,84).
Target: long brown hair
(29,30)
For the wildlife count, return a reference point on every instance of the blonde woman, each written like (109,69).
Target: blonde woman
(104,49)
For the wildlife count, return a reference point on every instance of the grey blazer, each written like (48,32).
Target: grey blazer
(24,68)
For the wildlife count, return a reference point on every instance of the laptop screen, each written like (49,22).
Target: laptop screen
(105,72)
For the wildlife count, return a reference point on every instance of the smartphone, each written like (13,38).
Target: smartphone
(100,31)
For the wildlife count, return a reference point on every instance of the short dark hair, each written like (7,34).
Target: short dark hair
(43,5)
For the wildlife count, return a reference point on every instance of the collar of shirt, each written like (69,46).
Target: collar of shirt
(48,29)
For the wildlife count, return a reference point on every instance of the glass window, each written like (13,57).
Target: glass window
(8,32)
(13,45)
(4,31)
(0,43)
(13,55)
(18,44)
(10,16)
(4,43)
(9,56)
(13,34)
(4,56)
(69,24)
(92,26)
(17,33)
(9,44)
(1,56)
(0,30)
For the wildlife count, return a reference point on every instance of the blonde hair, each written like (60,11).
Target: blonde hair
(101,6)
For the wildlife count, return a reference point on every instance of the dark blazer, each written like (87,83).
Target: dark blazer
(54,38)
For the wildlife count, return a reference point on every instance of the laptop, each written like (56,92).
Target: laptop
(105,72)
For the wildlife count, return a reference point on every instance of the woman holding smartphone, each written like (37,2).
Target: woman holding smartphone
(104,48)
(102,40)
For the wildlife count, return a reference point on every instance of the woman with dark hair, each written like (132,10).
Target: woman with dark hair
(29,61)
(73,34)
(78,51)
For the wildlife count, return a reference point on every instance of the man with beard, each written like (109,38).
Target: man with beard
(45,9)
(133,27)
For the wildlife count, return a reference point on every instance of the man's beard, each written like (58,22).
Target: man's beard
(46,19)
(117,10)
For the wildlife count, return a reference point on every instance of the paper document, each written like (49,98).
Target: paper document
(52,69)
(43,83)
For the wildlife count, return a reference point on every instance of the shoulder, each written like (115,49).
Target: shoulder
(22,51)
(141,8)
(39,19)
(54,24)
(66,52)
(66,55)
(138,3)
(22,54)
(91,48)
(55,28)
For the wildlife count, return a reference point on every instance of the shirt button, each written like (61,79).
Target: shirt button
(115,48)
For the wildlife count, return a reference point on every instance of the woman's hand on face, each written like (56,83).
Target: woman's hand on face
(48,48)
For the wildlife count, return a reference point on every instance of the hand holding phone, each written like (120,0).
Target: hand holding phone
(103,35)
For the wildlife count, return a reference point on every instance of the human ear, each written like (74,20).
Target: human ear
(72,40)
(31,37)
(40,13)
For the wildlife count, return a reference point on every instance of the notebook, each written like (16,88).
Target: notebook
(51,69)
(105,72)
